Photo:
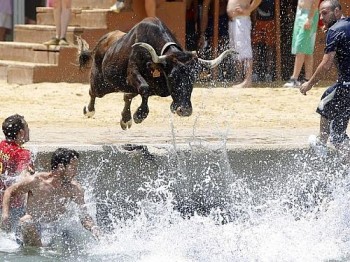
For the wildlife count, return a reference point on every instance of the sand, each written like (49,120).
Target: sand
(258,116)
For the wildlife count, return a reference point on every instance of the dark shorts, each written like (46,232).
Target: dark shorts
(335,107)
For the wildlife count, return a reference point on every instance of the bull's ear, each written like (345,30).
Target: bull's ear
(172,59)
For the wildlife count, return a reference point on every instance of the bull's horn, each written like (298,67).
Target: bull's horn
(215,62)
(155,58)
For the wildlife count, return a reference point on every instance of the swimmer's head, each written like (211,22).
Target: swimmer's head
(63,156)
(15,128)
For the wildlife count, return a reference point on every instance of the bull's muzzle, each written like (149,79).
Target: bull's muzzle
(181,110)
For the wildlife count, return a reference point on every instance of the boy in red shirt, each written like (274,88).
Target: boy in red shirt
(15,161)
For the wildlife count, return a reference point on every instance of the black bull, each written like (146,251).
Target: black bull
(129,63)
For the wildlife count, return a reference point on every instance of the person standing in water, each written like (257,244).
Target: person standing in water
(48,195)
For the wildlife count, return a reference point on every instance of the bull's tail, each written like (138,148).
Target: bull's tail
(84,54)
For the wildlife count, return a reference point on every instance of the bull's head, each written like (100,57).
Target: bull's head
(180,67)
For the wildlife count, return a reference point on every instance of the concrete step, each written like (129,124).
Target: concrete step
(42,33)
(15,72)
(95,18)
(26,72)
(86,4)
(124,21)
(110,20)
(44,16)
(29,52)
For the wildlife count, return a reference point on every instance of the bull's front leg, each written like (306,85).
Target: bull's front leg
(126,113)
(142,111)
(136,80)
(89,110)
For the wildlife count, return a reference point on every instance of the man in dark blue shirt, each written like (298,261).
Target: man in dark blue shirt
(334,106)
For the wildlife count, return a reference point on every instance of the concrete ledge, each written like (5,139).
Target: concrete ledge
(199,177)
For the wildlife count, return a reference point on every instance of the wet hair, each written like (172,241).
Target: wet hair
(63,156)
(334,4)
(12,125)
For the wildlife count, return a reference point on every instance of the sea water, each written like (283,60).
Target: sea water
(280,216)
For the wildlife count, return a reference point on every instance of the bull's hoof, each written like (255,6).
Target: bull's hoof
(139,116)
(126,125)
(138,120)
(88,113)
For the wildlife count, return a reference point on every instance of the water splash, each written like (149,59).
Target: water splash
(201,209)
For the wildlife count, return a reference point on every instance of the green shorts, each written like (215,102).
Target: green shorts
(303,41)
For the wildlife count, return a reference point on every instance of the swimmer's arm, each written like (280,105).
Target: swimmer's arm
(21,187)
(85,219)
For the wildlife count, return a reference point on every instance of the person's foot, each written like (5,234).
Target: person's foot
(319,148)
(117,7)
(292,83)
(63,41)
(52,41)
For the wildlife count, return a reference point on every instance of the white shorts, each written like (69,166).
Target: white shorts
(5,20)
(239,30)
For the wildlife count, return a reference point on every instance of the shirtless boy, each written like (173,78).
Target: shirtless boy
(48,195)
(240,27)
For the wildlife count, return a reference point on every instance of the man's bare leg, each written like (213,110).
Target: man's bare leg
(65,17)
(31,236)
(298,64)
(248,72)
(57,17)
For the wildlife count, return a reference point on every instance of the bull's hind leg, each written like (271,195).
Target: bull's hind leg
(126,113)
(89,110)
(142,111)
(95,82)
